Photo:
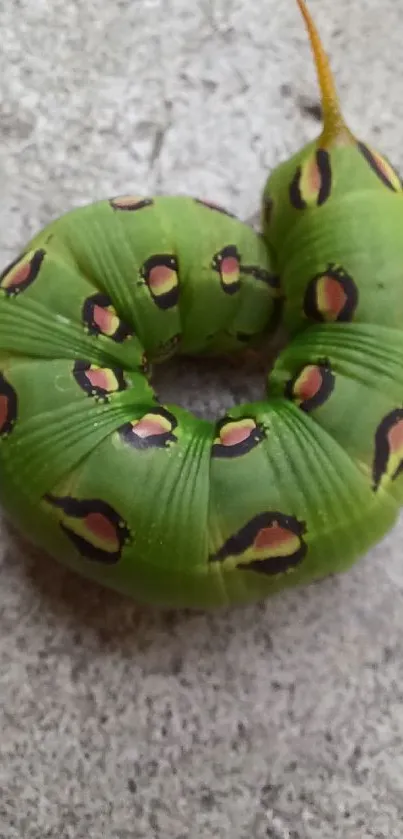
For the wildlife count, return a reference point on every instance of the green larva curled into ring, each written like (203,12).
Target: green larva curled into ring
(144,497)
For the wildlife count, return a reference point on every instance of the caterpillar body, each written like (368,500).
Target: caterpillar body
(143,496)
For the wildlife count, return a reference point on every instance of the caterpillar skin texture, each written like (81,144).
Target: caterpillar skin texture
(144,497)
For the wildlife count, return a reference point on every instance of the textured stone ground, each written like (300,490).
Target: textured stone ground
(281,721)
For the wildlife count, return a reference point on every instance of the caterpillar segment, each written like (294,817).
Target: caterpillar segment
(144,497)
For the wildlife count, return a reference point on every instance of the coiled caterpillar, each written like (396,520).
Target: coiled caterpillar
(143,496)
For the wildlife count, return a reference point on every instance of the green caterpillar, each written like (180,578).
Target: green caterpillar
(143,496)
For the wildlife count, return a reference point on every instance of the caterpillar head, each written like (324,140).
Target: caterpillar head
(327,168)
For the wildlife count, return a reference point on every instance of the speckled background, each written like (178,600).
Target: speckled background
(279,721)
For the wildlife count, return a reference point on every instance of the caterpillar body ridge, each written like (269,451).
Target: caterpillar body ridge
(143,496)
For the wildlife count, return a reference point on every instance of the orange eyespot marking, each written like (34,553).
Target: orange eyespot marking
(100,318)
(94,527)
(154,430)
(227,263)
(18,276)
(270,543)
(130,203)
(312,183)
(99,382)
(382,168)
(235,437)
(210,205)
(311,386)
(8,407)
(388,457)
(160,274)
(331,296)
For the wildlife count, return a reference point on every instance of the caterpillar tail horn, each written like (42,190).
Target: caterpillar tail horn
(334,125)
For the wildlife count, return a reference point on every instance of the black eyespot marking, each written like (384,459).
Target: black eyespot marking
(21,273)
(296,199)
(160,274)
(96,530)
(331,296)
(312,183)
(154,430)
(271,543)
(8,407)
(312,386)
(236,437)
(382,168)
(325,171)
(130,203)
(388,456)
(100,318)
(227,263)
(99,382)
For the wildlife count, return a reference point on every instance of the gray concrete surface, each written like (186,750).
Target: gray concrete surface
(282,721)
